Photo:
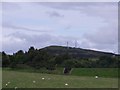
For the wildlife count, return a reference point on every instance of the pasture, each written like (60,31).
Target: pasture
(19,79)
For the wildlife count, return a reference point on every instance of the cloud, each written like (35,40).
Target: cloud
(10,6)
(68,27)
(12,44)
(54,14)
(17,41)
(105,39)
(93,25)
(75,5)
(101,9)
(67,5)
(5,25)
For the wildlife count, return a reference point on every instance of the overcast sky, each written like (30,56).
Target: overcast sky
(92,25)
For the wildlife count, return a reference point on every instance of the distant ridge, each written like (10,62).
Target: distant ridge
(76,52)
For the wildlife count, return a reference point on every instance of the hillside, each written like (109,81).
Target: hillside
(76,52)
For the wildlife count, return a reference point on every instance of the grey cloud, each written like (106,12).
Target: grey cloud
(104,39)
(106,10)
(74,5)
(5,25)
(36,40)
(27,40)
(54,14)
(99,46)
(105,46)
(68,27)
(106,35)
(10,6)
(101,38)
(85,44)
(43,40)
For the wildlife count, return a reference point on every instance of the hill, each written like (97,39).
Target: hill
(76,52)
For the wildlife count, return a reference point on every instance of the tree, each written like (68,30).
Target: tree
(17,58)
(5,60)
(105,61)
(61,58)
(68,65)
(31,49)
(37,62)
(20,57)
(51,64)
(30,55)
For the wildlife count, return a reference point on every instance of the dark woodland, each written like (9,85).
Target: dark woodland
(59,56)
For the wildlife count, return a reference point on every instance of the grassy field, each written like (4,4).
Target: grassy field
(102,72)
(34,80)
(0,77)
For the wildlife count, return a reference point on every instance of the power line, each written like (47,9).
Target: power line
(67,44)
(75,44)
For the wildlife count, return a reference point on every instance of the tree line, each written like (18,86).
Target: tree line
(42,59)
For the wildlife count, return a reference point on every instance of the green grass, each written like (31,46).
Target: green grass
(102,72)
(25,80)
(0,77)
(32,70)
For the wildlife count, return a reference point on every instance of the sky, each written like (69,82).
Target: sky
(93,25)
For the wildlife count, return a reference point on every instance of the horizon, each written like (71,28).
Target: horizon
(94,25)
